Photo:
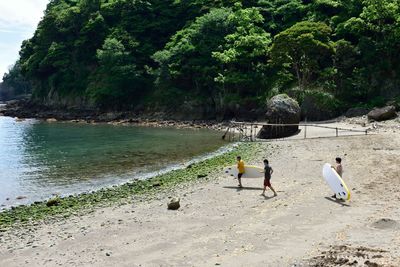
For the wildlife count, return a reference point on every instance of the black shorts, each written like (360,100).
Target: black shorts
(240,175)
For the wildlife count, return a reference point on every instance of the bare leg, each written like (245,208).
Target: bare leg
(240,181)
(263,193)
(273,190)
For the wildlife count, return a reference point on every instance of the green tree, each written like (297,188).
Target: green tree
(244,55)
(345,60)
(14,83)
(116,83)
(223,52)
(186,62)
(380,45)
(305,49)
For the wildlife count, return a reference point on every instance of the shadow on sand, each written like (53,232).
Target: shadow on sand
(338,201)
(238,189)
(267,197)
(244,188)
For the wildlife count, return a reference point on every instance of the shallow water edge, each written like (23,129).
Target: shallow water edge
(122,194)
(39,160)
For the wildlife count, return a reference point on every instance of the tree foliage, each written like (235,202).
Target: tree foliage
(14,84)
(117,54)
(305,48)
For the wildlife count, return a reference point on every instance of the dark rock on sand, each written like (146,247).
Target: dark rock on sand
(174,204)
(381,114)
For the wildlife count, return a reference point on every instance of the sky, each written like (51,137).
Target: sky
(18,21)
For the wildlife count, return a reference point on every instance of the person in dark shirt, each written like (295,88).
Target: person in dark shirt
(267,177)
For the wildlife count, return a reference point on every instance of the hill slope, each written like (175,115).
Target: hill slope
(214,57)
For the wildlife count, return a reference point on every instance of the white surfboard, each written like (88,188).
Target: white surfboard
(249,171)
(335,182)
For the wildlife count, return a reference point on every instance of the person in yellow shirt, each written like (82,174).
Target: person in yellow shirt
(240,166)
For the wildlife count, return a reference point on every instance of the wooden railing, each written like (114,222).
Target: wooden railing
(247,131)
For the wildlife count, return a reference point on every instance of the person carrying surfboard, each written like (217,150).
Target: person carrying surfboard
(240,166)
(267,177)
(339,169)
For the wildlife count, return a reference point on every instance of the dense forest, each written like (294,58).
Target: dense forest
(14,85)
(167,55)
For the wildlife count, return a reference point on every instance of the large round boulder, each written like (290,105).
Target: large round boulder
(381,114)
(281,109)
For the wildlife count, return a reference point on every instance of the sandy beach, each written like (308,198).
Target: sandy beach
(220,224)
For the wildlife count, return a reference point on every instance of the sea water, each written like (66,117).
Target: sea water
(40,159)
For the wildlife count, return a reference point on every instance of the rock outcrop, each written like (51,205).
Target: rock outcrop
(281,109)
(381,114)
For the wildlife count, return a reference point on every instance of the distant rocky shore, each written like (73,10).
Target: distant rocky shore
(280,109)
(27,110)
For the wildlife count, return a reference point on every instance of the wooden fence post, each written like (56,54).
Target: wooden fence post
(305,129)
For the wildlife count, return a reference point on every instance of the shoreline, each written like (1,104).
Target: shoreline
(163,180)
(141,176)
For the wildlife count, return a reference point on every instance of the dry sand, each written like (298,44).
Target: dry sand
(219,224)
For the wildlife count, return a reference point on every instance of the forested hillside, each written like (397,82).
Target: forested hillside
(167,55)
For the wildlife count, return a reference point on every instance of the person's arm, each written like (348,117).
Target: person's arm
(271,171)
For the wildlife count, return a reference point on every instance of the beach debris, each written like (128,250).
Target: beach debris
(343,255)
(21,197)
(201,175)
(156,184)
(53,202)
(174,204)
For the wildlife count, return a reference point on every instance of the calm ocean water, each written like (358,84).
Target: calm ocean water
(39,159)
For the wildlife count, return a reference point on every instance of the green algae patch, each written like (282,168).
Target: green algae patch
(76,204)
